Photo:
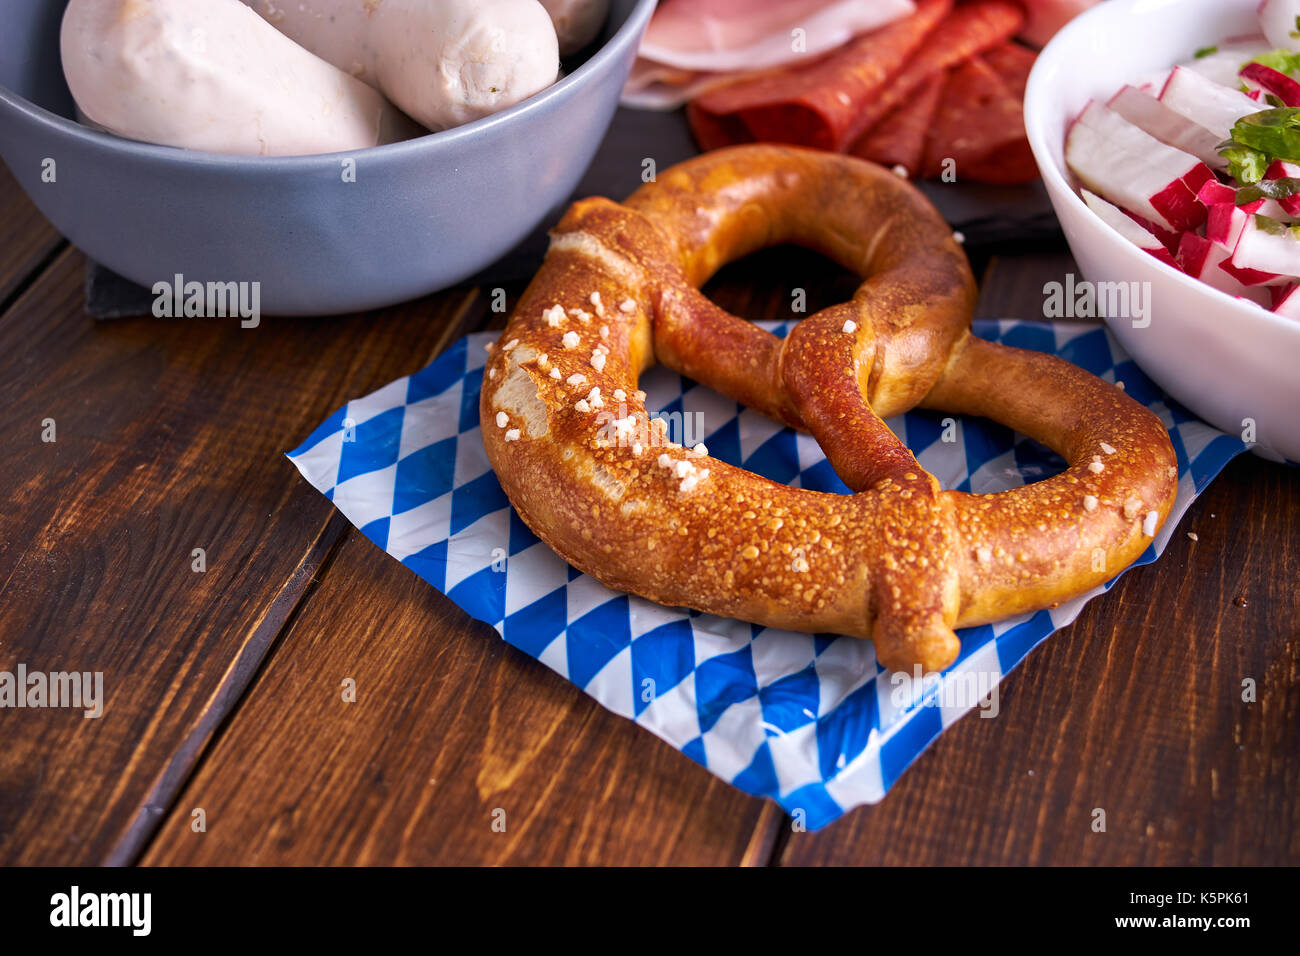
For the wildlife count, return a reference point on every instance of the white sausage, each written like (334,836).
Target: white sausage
(212,75)
(576,21)
(445,62)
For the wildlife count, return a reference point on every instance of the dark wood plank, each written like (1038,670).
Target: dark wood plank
(169,437)
(1011,286)
(1136,709)
(27,240)
(412,772)
(450,724)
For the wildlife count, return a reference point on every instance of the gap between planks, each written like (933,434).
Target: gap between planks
(245,670)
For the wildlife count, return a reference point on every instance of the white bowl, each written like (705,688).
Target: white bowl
(1229,361)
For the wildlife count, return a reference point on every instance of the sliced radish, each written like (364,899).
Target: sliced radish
(1225,223)
(1122,223)
(1273,209)
(1154,81)
(1201,259)
(1266,249)
(1277,18)
(1201,100)
(1216,192)
(1286,301)
(1131,168)
(1281,169)
(1224,227)
(1225,62)
(1253,277)
(1174,129)
(1197,254)
(1167,237)
(1274,81)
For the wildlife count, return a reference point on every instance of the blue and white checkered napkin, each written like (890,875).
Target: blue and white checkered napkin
(810,721)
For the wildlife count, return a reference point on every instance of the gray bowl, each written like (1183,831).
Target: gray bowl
(422,215)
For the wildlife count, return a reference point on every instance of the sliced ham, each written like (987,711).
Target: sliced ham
(945,81)
(727,35)
(653,86)
(828,106)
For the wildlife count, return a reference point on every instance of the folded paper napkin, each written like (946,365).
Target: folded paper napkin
(811,721)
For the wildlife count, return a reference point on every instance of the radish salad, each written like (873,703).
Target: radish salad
(1200,165)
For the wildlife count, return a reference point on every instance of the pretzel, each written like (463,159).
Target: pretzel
(900,561)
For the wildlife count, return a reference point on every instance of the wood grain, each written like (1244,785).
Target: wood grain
(412,772)
(224,687)
(168,437)
(27,240)
(450,725)
(1011,286)
(1135,709)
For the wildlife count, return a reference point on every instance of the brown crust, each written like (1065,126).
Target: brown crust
(900,562)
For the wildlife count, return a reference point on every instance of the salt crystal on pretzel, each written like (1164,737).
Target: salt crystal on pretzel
(899,561)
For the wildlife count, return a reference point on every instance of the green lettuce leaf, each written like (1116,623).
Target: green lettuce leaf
(1245,165)
(1260,138)
(1284,61)
(1282,188)
(1272,226)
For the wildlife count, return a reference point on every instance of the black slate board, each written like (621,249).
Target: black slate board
(988,216)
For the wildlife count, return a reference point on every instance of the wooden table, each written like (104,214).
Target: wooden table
(223,685)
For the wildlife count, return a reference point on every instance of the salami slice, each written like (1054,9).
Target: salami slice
(1012,63)
(970,29)
(979,129)
(820,104)
(899,139)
